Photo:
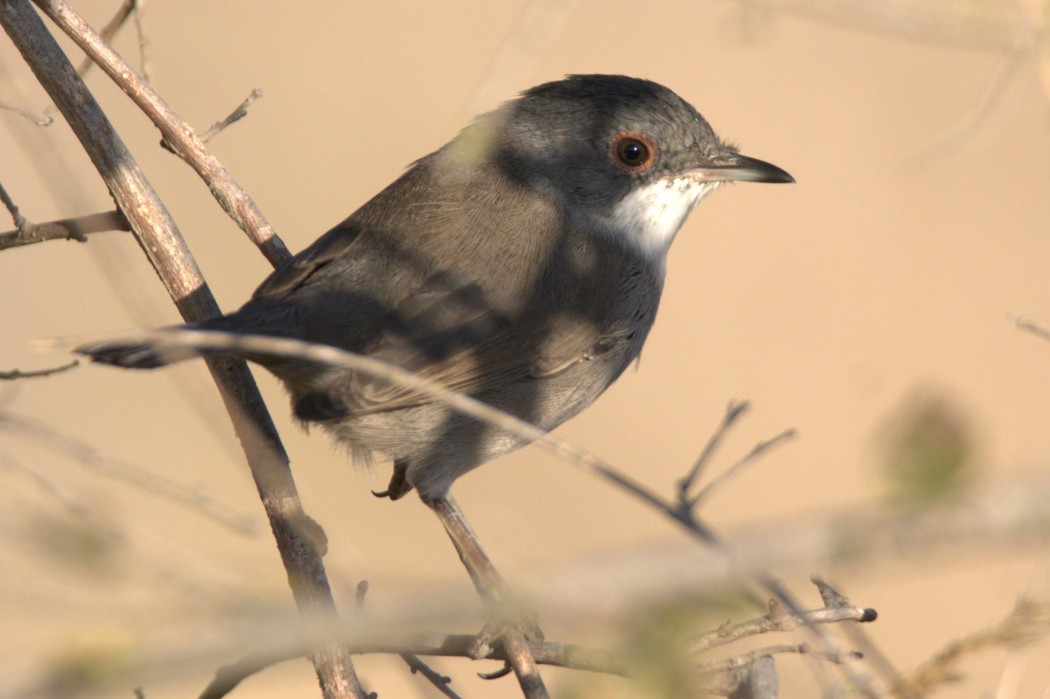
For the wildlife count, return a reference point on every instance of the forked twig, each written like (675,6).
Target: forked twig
(733,411)
(183,139)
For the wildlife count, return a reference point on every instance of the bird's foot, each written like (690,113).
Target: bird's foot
(399,485)
(483,644)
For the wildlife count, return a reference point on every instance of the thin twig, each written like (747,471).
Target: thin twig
(143,36)
(9,204)
(777,622)
(745,658)
(183,343)
(1031,326)
(413,661)
(43,119)
(733,411)
(77,228)
(136,475)
(187,144)
(440,682)
(833,599)
(728,474)
(236,115)
(430,644)
(16,374)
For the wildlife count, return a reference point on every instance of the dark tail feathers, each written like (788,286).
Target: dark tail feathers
(132,354)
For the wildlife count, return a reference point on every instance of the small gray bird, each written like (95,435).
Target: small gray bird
(521,264)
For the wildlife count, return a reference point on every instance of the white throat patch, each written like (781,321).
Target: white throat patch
(648,217)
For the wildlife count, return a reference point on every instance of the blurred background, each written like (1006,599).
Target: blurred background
(871,306)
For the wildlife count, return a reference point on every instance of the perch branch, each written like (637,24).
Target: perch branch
(491,587)
(167,252)
(183,343)
(432,645)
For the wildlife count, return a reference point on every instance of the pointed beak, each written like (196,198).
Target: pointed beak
(740,168)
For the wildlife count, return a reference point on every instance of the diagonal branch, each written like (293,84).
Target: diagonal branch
(184,343)
(177,133)
(167,251)
(491,587)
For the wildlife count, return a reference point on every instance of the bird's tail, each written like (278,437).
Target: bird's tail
(227,334)
(141,351)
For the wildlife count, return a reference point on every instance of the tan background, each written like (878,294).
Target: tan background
(917,231)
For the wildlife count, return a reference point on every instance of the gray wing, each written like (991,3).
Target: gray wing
(369,286)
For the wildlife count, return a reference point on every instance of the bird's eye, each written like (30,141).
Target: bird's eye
(632,152)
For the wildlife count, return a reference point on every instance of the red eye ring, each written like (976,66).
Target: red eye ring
(632,152)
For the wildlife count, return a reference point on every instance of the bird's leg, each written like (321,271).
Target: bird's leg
(490,585)
(399,485)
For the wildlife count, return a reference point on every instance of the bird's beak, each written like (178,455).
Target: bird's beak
(740,168)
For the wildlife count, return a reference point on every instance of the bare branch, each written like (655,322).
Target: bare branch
(108,32)
(167,251)
(184,343)
(491,587)
(733,411)
(777,622)
(744,659)
(749,458)
(833,599)
(440,682)
(236,115)
(143,35)
(187,144)
(43,119)
(16,374)
(77,229)
(1031,326)
(9,203)
(85,455)
(432,644)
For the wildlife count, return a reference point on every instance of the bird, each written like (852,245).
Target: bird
(521,264)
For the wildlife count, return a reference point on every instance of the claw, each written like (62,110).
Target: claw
(399,485)
(495,675)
